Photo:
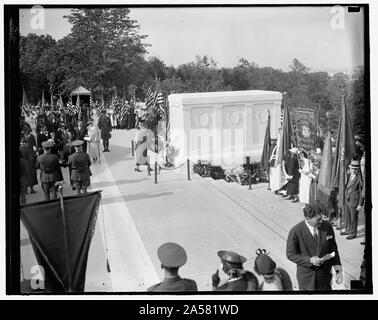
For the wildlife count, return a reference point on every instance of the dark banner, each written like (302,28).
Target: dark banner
(305,128)
(61,238)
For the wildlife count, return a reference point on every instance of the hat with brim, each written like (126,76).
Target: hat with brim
(354,164)
(172,255)
(294,150)
(77,143)
(231,257)
(47,144)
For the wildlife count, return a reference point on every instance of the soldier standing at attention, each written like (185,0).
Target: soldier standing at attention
(79,163)
(50,170)
(172,256)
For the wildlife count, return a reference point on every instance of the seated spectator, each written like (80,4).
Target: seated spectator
(274,279)
(231,276)
(172,256)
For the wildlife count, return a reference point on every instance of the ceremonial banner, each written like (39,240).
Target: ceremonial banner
(305,127)
(345,149)
(61,238)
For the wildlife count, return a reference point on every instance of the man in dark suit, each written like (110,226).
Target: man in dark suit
(79,164)
(311,245)
(172,256)
(80,133)
(354,199)
(50,170)
(232,276)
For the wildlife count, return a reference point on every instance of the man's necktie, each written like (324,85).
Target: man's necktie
(316,234)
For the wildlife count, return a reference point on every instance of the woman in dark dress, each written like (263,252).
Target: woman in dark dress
(292,175)
(27,153)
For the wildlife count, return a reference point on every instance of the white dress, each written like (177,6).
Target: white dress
(305,182)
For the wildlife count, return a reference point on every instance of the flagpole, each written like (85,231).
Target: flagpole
(60,188)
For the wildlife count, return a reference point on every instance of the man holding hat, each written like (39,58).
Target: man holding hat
(50,170)
(231,276)
(172,256)
(79,163)
(354,199)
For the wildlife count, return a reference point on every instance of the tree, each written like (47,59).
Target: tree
(297,66)
(32,50)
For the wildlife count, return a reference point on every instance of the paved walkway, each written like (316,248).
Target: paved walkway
(203,215)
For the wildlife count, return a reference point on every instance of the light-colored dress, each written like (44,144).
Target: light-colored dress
(94,142)
(305,182)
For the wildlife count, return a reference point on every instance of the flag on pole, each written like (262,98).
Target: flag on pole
(287,136)
(25,101)
(264,163)
(60,102)
(64,259)
(325,173)
(345,150)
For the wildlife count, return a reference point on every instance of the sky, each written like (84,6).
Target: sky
(268,36)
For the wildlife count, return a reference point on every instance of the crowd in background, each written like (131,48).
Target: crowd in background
(62,127)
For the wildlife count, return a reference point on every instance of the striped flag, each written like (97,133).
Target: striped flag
(71,110)
(151,98)
(102,106)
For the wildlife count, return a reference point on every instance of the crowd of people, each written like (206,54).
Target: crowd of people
(311,245)
(296,178)
(53,138)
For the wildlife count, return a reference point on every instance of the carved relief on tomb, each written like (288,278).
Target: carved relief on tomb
(202,119)
(262,116)
(232,117)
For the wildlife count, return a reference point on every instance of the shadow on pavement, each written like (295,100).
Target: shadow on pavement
(102,184)
(133,197)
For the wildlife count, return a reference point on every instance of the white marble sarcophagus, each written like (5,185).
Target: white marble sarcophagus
(222,127)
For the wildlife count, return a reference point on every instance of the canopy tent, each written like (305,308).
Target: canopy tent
(81,95)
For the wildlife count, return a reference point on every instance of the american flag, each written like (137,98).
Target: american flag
(151,98)
(123,111)
(102,106)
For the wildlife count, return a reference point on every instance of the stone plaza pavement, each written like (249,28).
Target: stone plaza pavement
(202,215)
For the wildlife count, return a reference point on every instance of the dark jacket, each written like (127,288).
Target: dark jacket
(105,126)
(354,194)
(79,163)
(301,246)
(248,282)
(292,169)
(177,284)
(50,167)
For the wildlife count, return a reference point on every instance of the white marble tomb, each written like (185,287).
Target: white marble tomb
(222,127)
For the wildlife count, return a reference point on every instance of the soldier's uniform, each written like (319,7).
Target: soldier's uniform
(79,163)
(50,171)
(172,255)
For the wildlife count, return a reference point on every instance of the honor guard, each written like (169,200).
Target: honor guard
(50,170)
(172,256)
(79,163)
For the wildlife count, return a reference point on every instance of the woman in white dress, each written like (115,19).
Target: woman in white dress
(305,180)
(94,136)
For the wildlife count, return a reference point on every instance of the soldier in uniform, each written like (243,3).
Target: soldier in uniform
(79,164)
(50,170)
(172,256)
(231,276)
(105,126)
